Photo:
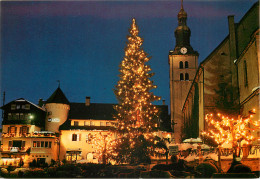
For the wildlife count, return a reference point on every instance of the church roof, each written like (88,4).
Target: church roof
(58,97)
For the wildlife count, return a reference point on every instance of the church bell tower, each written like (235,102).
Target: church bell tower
(183,62)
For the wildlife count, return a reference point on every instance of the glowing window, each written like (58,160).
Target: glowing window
(76,123)
(74,137)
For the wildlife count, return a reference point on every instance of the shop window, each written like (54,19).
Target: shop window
(181,65)
(10,143)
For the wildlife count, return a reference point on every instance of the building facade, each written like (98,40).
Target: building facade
(183,62)
(58,129)
(228,79)
(23,135)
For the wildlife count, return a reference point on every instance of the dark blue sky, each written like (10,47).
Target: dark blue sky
(82,43)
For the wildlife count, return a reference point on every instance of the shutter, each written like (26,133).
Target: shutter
(20,130)
(8,129)
(23,143)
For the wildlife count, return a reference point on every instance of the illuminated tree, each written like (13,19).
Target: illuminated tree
(136,116)
(103,144)
(231,131)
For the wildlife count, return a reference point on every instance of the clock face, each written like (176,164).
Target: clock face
(183,50)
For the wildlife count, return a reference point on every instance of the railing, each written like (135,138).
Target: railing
(13,149)
(28,135)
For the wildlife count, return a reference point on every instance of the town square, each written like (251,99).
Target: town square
(130,89)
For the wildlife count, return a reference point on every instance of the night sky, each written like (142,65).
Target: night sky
(82,43)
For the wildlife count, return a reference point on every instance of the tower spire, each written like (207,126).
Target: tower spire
(181,4)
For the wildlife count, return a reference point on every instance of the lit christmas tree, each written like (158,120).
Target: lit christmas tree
(103,145)
(136,116)
(224,130)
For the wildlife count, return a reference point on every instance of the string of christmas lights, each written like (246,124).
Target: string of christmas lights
(136,115)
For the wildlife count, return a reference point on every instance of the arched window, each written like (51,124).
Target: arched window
(187,76)
(186,64)
(181,64)
(181,76)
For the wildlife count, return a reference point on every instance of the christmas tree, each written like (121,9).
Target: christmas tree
(136,116)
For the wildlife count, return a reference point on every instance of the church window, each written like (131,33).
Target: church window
(181,76)
(74,137)
(186,64)
(245,74)
(181,65)
(187,76)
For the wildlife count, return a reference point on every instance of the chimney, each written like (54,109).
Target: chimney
(87,101)
(40,102)
(163,101)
